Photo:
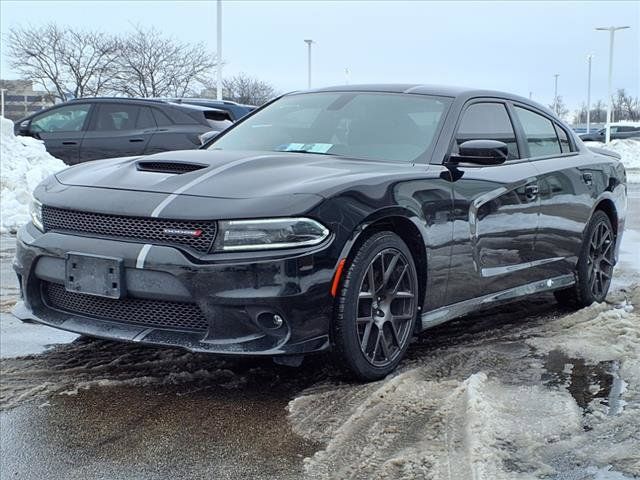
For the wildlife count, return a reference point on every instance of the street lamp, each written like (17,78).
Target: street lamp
(612,31)
(219,55)
(555,94)
(2,90)
(589,58)
(309,43)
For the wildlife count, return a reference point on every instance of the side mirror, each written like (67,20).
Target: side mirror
(23,128)
(481,152)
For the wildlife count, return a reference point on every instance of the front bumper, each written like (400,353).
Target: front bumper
(237,295)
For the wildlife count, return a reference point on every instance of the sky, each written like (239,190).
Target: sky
(513,46)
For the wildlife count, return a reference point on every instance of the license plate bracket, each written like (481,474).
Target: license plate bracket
(94,275)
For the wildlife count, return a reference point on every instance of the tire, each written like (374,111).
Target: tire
(595,265)
(371,332)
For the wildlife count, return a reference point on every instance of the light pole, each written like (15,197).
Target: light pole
(309,43)
(219,55)
(612,31)
(589,58)
(2,90)
(555,94)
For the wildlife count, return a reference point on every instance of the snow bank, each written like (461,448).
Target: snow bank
(493,406)
(629,150)
(24,163)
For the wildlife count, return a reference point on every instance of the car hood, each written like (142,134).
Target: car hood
(233,174)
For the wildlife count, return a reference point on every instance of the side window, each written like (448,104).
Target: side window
(161,119)
(488,121)
(114,117)
(564,139)
(181,117)
(145,119)
(540,132)
(64,119)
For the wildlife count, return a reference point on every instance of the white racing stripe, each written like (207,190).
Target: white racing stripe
(142,255)
(156,212)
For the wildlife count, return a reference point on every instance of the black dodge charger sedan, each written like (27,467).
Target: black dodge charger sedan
(344,219)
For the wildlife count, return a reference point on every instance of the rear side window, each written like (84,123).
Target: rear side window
(116,117)
(145,119)
(161,119)
(540,132)
(488,121)
(564,139)
(181,117)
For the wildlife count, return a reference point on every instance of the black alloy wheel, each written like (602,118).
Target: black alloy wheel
(377,307)
(594,269)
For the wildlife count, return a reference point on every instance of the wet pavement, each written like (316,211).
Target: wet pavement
(83,408)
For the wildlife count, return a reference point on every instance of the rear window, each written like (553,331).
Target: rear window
(540,132)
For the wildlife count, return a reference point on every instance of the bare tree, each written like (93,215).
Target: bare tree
(153,65)
(90,60)
(624,106)
(242,88)
(559,107)
(36,53)
(63,61)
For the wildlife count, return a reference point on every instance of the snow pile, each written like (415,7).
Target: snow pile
(24,163)
(629,150)
(492,406)
(411,427)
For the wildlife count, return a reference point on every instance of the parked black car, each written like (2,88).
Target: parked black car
(95,128)
(618,131)
(345,218)
(235,110)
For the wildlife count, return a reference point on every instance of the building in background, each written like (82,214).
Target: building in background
(20,99)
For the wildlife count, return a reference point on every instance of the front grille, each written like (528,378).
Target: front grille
(151,230)
(136,311)
(169,167)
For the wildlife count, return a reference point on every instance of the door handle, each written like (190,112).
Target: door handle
(587,177)
(69,143)
(132,140)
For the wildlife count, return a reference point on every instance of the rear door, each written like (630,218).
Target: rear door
(567,184)
(495,209)
(62,130)
(117,130)
(176,131)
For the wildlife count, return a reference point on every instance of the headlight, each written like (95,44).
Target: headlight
(35,211)
(236,235)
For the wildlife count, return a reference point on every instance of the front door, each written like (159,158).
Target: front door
(62,130)
(495,210)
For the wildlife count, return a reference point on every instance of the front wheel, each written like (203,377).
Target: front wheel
(377,307)
(595,264)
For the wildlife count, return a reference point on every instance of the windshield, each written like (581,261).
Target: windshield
(372,126)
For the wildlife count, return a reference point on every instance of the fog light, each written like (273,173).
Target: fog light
(270,320)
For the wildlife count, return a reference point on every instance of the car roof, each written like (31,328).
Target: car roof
(427,89)
(143,101)
(119,100)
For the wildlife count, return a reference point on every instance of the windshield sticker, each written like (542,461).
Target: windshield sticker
(306,147)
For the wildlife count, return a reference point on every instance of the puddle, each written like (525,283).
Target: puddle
(586,382)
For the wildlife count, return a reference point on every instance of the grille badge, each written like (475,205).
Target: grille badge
(183,232)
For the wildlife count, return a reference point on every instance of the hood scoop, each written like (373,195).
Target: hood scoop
(168,167)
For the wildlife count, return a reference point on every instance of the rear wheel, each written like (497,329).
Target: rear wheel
(595,265)
(377,307)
